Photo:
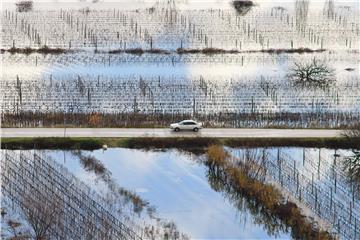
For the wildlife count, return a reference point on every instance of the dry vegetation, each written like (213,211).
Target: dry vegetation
(24,6)
(40,215)
(194,145)
(244,182)
(92,164)
(42,50)
(165,229)
(132,119)
(140,51)
(351,166)
(353,131)
(15,229)
(243,6)
(51,200)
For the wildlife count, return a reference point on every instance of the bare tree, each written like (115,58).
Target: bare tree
(312,74)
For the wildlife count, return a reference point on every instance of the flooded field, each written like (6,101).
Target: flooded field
(178,187)
(212,60)
(148,63)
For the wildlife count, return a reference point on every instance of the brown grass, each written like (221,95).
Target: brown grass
(140,51)
(217,155)
(135,51)
(208,51)
(225,120)
(264,195)
(293,50)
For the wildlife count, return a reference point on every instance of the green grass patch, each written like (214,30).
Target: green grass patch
(340,142)
(186,143)
(51,143)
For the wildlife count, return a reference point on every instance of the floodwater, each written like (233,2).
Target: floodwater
(180,187)
(176,186)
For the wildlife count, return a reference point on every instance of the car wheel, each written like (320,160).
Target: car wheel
(177,129)
(195,129)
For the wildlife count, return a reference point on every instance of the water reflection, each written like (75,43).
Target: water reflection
(316,179)
(202,203)
(218,181)
(352,168)
(178,185)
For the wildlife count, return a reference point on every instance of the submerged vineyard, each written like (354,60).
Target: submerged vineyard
(223,66)
(165,26)
(317,180)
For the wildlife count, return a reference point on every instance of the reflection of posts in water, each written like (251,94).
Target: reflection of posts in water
(22,172)
(352,169)
(234,176)
(317,186)
(219,181)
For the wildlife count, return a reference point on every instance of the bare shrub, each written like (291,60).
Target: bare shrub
(95,120)
(243,6)
(352,166)
(24,6)
(312,74)
(352,132)
(90,163)
(41,214)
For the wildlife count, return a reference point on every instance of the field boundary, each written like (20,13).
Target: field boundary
(198,144)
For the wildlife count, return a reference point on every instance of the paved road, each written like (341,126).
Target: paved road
(163,132)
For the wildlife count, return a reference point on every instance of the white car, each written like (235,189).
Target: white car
(186,125)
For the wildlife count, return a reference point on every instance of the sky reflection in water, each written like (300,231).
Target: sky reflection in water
(177,186)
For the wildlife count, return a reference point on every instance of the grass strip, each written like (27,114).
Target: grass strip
(186,143)
(180,51)
(51,143)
